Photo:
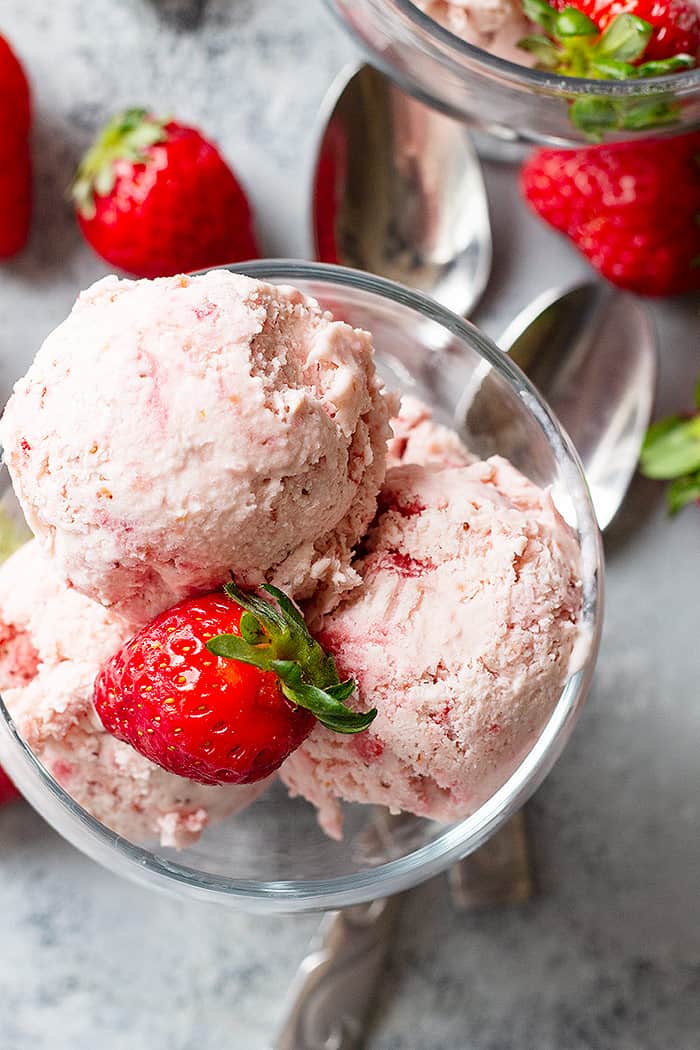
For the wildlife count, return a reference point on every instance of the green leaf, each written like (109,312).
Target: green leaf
(625,38)
(233,647)
(651,114)
(294,621)
(673,452)
(263,611)
(275,638)
(540,12)
(330,711)
(662,66)
(682,492)
(357,724)
(546,53)
(572,22)
(659,428)
(343,690)
(612,69)
(593,115)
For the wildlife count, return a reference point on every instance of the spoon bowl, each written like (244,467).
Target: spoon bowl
(592,354)
(398,192)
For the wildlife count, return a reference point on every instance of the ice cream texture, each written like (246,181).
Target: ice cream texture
(493,25)
(53,641)
(173,431)
(460,634)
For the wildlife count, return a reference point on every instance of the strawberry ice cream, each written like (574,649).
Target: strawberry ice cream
(417,438)
(173,431)
(493,25)
(53,641)
(460,634)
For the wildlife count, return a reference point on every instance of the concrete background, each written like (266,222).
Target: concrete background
(608,956)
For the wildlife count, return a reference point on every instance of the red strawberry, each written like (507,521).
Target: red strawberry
(221,689)
(155,198)
(676,22)
(632,208)
(8,791)
(15,160)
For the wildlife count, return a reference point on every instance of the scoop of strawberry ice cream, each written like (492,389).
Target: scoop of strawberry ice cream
(460,634)
(170,432)
(53,642)
(493,25)
(417,438)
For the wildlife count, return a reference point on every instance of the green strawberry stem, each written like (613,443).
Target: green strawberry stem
(671,452)
(572,45)
(274,637)
(127,137)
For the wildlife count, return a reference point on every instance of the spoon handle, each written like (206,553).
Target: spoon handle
(500,872)
(331,996)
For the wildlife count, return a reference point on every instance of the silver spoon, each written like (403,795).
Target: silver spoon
(398,191)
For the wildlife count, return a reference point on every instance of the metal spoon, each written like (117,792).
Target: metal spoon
(398,191)
(592,353)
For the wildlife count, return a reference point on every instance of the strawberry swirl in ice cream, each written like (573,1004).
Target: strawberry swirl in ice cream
(171,432)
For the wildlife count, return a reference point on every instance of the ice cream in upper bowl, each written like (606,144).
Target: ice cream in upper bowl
(404,620)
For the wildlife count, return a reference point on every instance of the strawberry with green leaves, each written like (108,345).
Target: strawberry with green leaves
(671,452)
(155,198)
(675,23)
(616,48)
(221,689)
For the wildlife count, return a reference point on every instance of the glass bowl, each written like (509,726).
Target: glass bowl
(502,98)
(273,856)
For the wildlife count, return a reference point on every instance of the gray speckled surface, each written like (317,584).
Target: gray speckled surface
(608,956)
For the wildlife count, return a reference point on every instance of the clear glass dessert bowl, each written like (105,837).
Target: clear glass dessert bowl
(505,99)
(273,856)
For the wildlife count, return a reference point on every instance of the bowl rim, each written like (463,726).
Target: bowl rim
(285,896)
(525,76)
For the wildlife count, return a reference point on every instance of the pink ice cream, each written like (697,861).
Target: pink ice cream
(417,438)
(460,634)
(53,641)
(172,431)
(493,25)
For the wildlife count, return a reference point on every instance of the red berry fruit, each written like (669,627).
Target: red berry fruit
(15,159)
(221,689)
(632,208)
(155,198)
(676,22)
(8,791)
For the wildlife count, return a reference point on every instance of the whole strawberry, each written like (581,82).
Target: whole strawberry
(154,198)
(675,23)
(15,159)
(632,208)
(221,689)
(8,791)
